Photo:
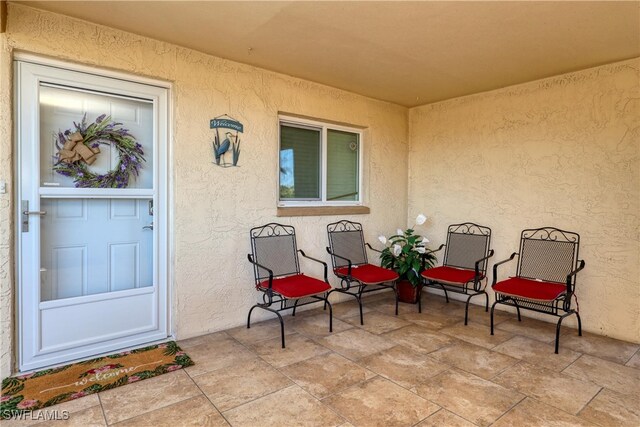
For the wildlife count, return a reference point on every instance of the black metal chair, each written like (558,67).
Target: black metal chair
(545,277)
(464,267)
(351,266)
(276,268)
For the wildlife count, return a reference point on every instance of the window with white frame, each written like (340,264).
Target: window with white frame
(319,163)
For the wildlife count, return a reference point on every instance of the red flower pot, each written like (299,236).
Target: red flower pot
(407,292)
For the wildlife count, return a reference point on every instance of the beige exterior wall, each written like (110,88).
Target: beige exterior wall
(563,152)
(213,208)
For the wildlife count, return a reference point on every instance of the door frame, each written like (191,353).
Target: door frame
(164,191)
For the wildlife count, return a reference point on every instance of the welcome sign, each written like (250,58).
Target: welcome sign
(229,128)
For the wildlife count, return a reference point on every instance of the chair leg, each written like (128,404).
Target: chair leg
(493,306)
(326,302)
(249,317)
(486,296)
(395,291)
(295,305)
(466,310)
(419,298)
(579,324)
(517,309)
(446,294)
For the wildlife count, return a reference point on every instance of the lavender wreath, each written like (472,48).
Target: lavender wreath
(101,132)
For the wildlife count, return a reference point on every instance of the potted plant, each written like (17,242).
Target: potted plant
(406,253)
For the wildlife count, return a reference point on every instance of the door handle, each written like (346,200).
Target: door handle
(148,227)
(25,215)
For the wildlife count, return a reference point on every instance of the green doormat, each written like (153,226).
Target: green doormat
(52,386)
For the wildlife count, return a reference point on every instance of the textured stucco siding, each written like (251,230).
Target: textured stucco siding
(563,152)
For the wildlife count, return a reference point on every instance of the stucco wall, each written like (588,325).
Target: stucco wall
(213,207)
(560,152)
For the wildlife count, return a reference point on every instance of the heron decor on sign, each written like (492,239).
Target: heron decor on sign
(229,140)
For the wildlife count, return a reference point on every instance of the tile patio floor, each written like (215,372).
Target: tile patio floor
(412,370)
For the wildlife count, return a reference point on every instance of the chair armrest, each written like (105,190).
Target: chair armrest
(482,259)
(495,267)
(250,258)
(427,253)
(581,265)
(372,248)
(326,279)
(338,256)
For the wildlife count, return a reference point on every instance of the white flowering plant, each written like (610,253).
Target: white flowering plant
(406,253)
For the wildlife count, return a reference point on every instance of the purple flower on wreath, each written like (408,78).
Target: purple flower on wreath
(100,118)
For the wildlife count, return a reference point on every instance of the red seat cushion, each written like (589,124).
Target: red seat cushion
(297,286)
(530,289)
(449,275)
(368,274)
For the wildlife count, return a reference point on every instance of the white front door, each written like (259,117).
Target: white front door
(93,262)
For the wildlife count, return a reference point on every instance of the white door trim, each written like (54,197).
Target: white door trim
(164,190)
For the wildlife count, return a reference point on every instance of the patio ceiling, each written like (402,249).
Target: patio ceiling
(409,53)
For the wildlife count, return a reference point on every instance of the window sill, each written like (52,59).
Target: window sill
(322,210)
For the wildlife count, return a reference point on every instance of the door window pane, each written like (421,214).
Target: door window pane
(60,107)
(342,165)
(92,246)
(299,163)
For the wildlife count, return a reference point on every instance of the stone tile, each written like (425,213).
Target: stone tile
(403,366)
(238,384)
(378,323)
(609,408)
(620,378)
(72,406)
(89,417)
(478,315)
(634,362)
(197,411)
(202,339)
(538,353)
(326,374)
(530,413)
(288,406)
(599,346)
(145,396)
(432,320)
(261,331)
(380,402)
(552,388)
(444,418)
(418,339)
(388,307)
(477,400)
(317,325)
(474,359)
(349,309)
(356,343)
(217,354)
(477,334)
(531,328)
(298,348)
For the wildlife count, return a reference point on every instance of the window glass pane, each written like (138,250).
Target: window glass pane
(93,246)
(342,165)
(61,107)
(299,163)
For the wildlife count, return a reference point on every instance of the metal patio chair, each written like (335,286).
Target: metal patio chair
(464,267)
(351,266)
(545,277)
(276,268)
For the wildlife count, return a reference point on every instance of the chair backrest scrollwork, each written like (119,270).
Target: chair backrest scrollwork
(346,241)
(466,244)
(274,246)
(548,254)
